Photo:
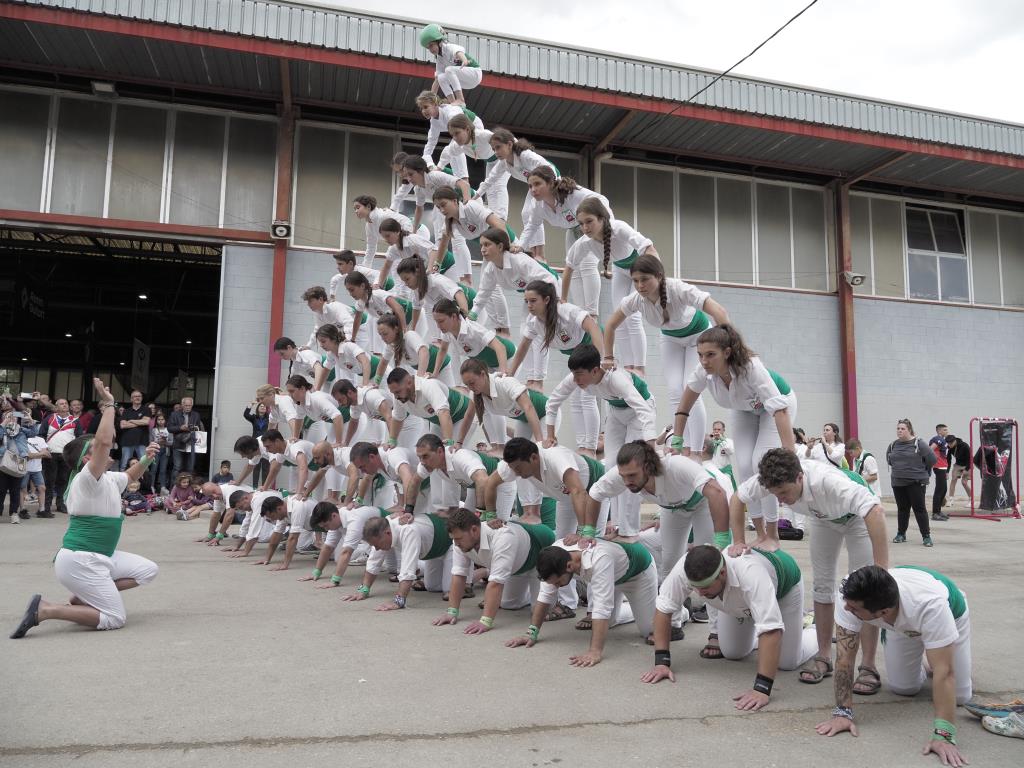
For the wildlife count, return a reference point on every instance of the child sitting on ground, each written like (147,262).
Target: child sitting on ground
(200,503)
(133,501)
(180,496)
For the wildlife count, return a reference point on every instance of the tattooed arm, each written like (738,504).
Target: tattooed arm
(847,643)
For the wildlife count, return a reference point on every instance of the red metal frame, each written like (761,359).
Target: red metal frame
(133,226)
(281,50)
(996,516)
(847,341)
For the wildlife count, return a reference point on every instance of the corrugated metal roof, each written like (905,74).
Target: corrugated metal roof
(351,31)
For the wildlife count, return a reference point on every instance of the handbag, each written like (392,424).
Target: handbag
(14,465)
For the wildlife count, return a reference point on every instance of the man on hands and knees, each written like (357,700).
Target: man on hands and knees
(922,613)
(842,510)
(612,570)
(508,552)
(255,527)
(759,597)
(343,525)
(290,518)
(88,563)
(222,516)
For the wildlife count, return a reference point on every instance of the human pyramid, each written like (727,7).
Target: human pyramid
(428,426)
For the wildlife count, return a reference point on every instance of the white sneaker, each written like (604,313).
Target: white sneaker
(14,519)
(358,558)
(182,514)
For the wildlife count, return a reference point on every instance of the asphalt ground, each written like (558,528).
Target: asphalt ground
(224,663)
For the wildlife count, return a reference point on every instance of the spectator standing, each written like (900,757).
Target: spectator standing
(910,461)
(724,448)
(16,428)
(941,451)
(160,435)
(257,415)
(84,419)
(865,465)
(183,426)
(134,426)
(37,451)
(960,466)
(40,406)
(828,448)
(152,410)
(60,429)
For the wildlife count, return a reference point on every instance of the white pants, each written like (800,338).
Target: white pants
(535,363)
(437,573)
(680,360)
(459,79)
(520,591)
(753,436)
(506,499)
(413,428)
(737,640)
(497,197)
(620,427)
(90,577)
(675,530)
(905,671)
(585,288)
(586,418)
(630,336)
(370,430)
(495,313)
(826,540)
(641,591)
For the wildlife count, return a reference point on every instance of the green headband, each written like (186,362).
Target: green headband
(702,583)
(78,466)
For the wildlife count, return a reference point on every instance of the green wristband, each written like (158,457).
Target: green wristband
(317,573)
(357,500)
(532,632)
(453,612)
(220,536)
(146,461)
(472,315)
(589,531)
(488,514)
(487,621)
(363,589)
(944,730)
(676,442)
(336,579)
(209,536)
(449,443)
(392,441)
(723,539)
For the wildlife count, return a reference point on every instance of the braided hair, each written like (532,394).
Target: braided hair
(592,206)
(651,265)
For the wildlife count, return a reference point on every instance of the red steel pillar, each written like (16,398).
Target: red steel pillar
(847,339)
(282,212)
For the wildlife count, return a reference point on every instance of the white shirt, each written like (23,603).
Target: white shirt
(472,337)
(753,390)
(472,220)
(284,410)
(749,591)
(338,281)
(924,610)
(351,531)
(683,301)
(333,312)
(503,551)
(868,465)
(412,343)
(435,180)
(720,477)
(90,497)
(226,490)
(347,358)
(624,241)
(446,57)
(252,525)
(438,287)
(430,396)
(264,454)
(35,445)
(836,452)
(373,222)
(503,396)
(677,487)
(393,461)
(296,517)
(561,215)
(439,125)
(318,406)
(378,303)
(304,363)
(516,272)
(520,168)
(554,463)
(614,385)
(602,565)
(290,457)
(827,494)
(412,245)
(569,327)
(368,401)
(409,542)
(459,468)
(723,453)
(478,149)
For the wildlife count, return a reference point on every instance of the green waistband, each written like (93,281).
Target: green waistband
(540,403)
(441,542)
(470,294)
(457,405)
(787,571)
(641,387)
(490,462)
(699,324)
(433,358)
(596,470)
(781,383)
(639,560)
(92,533)
(585,340)
(689,505)
(389,283)
(540,536)
(627,262)
(490,358)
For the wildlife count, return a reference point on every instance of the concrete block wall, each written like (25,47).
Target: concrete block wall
(932,363)
(244,342)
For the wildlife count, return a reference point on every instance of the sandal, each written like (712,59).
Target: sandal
(559,611)
(677,634)
(585,624)
(393,578)
(419,586)
(812,674)
(711,650)
(868,681)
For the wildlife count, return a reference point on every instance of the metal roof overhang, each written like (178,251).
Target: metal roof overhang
(57,45)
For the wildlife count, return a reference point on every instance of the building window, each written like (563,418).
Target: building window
(936,255)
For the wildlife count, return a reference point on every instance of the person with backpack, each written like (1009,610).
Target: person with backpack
(865,465)
(910,463)
(841,510)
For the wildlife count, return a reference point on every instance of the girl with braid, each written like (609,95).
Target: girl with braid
(564,327)
(555,200)
(616,246)
(427,290)
(681,312)
(516,159)
(470,141)
(401,245)
(372,303)
(467,221)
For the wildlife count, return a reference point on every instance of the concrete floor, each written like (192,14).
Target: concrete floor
(223,663)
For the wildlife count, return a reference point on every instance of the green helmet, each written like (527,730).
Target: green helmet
(432,33)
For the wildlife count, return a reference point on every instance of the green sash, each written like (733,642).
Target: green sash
(389,283)
(641,387)
(781,383)
(457,405)
(957,603)
(433,358)
(786,570)
(540,536)
(490,358)
(548,511)
(470,294)
(627,262)
(596,470)
(540,402)
(447,262)
(490,463)
(639,560)
(441,543)
(406,306)
(699,324)
(92,533)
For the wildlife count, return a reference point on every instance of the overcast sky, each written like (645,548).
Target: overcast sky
(955,55)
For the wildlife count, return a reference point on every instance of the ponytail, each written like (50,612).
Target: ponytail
(448,307)
(561,186)
(398,345)
(651,265)
(547,291)
(643,452)
(478,368)
(359,280)
(726,337)
(331,332)
(392,226)
(415,265)
(505,136)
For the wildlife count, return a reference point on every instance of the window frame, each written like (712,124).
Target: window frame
(963,223)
